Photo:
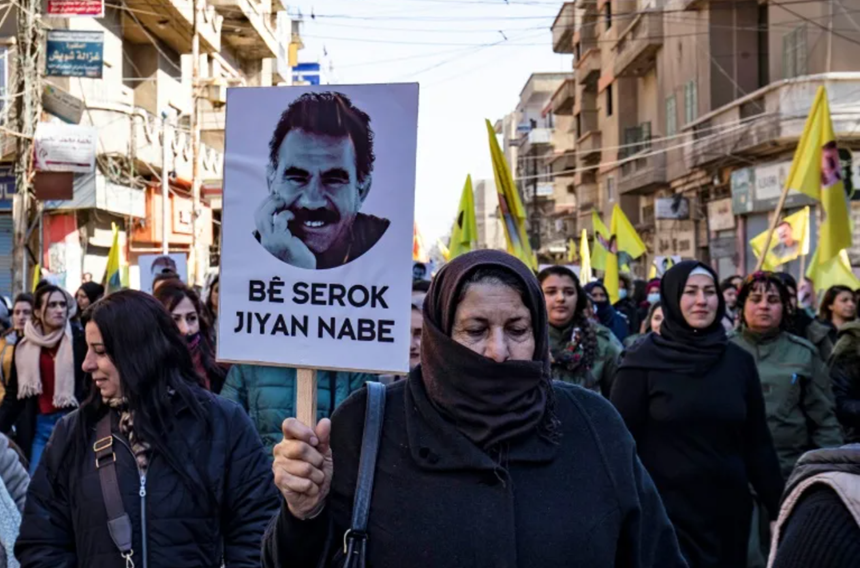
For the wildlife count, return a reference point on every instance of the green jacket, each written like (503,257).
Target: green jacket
(605,364)
(821,334)
(268,395)
(797,394)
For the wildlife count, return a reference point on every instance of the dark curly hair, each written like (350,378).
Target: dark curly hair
(763,280)
(329,114)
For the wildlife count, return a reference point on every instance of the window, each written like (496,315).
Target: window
(610,189)
(691,102)
(609,100)
(671,116)
(794,53)
(607,14)
(578,126)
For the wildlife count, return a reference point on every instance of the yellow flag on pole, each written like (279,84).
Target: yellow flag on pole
(628,239)
(443,250)
(464,234)
(790,241)
(816,172)
(37,276)
(113,272)
(834,271)
(511,208)
(585,273)
(602,237)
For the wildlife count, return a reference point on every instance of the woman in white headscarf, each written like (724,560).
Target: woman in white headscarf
(47,380)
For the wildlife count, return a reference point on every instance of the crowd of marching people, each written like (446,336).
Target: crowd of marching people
(696,421)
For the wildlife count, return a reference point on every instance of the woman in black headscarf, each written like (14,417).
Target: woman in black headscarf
(479,449)
(694,405)
(607,315)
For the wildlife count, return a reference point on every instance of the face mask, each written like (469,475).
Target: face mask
(653,297)
(622,294)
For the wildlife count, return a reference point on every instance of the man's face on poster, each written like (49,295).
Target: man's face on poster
(785,235)
(316,181)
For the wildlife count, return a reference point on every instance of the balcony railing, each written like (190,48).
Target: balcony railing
(563,99)
(586,197)
(248,28)
(587,67)
(562,29)
(172,21)
(643,173)
(773,117)
(638,45)
(535,140)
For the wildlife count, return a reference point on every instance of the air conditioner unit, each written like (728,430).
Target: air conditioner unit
(216,94)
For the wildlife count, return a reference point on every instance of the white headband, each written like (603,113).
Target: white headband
(699,270)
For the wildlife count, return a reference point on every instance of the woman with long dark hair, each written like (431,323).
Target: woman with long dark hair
(837,308)
(46,381)
(583,352)
(185,308)
(693,402)
(483,459)
(191,471)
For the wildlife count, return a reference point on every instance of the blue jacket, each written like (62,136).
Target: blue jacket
(268,395)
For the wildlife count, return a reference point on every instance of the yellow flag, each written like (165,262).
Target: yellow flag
(790,240)
(602,237)
(113,275)
(446,254)
(571,251)
(37,275)
(816,172)
(652,272)
(511,208)
(626,236)
(585,273)
(464,234)
(834,271)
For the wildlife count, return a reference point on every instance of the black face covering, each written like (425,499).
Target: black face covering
(489,402)
(680,347)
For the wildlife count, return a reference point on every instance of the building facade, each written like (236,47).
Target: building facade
(687,112)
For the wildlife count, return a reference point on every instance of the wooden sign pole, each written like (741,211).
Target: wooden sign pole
(306,397)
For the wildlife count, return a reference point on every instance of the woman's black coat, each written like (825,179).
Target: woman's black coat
(23,413)
(65,523)
(438,500)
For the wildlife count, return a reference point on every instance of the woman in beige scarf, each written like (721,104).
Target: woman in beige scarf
(46,380)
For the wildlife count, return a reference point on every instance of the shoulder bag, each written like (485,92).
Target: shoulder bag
(355,539)
(119,523)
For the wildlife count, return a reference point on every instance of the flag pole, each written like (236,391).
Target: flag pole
(773,223)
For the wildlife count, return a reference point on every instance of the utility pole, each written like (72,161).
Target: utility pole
(29,59)
(195,261)
(166,151)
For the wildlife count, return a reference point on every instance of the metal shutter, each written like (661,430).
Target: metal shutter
(6,240)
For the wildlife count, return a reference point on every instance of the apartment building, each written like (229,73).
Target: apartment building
(489,225)
(686,111)
(146,90)
(533,138)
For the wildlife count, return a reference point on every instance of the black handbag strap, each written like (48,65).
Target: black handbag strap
(119,523)
(355,539)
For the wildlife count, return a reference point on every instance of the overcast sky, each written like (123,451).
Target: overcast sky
(471,59)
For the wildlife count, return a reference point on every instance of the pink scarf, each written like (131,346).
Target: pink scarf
(27,355)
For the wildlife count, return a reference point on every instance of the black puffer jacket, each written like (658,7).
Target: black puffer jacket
(845,375)
(65,524)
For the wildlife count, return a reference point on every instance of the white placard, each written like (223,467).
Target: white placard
(151,265)
(316,251)
(65,147)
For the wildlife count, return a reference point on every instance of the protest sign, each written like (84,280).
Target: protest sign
(151,265)
(317,227)
(65,148)
(71,53)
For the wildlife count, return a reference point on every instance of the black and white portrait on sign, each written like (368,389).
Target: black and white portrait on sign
(317,223)
(319,174)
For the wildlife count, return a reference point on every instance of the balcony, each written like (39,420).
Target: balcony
(643,173)
(637,46)
(563,99)
(248,28)
(691,4)
(562,163)
(586,197)
(536,140)
(171,21)
(562,29)
(771,119)
(587,68)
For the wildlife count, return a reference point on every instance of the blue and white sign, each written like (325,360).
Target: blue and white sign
(7,187)
(75,54)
